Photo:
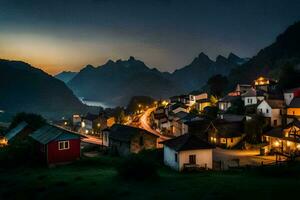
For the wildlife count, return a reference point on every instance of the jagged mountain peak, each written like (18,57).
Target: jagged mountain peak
(221,58)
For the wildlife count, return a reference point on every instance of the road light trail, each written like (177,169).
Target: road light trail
(145,124)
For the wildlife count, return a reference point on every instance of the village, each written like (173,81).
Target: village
(253,125)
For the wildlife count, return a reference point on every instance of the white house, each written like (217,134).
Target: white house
(290,94)
(252,97)
(188,151)
(273,110)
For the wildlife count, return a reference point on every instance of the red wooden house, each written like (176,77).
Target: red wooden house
(57,145)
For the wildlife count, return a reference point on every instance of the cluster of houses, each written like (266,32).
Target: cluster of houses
(280,111)
(192,135)
(90,124)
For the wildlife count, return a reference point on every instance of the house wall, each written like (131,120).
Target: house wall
(288,97)
(273,114)
(149,142)
(201,96)
(105,138)
(250,101)
(119,147)
(293,112)
(230,142)
(126,148)
(201,106)
(204,157)
(59,156)
(224,105)
(169,158)
(179,128)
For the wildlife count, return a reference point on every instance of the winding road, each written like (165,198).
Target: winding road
(145,124)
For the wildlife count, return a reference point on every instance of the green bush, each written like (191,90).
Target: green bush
(137,167)
(18,153)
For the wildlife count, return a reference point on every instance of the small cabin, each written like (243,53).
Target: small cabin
(188,151)
(56,145)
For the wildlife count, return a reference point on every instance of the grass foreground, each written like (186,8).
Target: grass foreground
(98,179)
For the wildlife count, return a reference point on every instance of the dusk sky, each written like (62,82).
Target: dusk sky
(167,34)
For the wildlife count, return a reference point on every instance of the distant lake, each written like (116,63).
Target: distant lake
(89,102)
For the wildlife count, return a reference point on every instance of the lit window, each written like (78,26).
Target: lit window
(63,145)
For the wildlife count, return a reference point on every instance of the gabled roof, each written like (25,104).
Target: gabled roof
(233,117)
(48,133)
(295,103)
(178,105)
(125,133)
(227,129)
(275,132)
(291,90)
(91,117)
(275,103)
(250,93)
(181,114)
(228,98)
(15,131)
(187,142)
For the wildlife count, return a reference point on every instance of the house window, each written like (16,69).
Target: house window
(63,145)
(275,122)
(223,140)
(231,140)
(176,157)
(141,141)
(192,159)
(267,110)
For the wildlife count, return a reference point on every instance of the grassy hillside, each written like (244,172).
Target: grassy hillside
(98,179)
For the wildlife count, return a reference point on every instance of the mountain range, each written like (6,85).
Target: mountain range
(28,89)
(116,82)
(66,76)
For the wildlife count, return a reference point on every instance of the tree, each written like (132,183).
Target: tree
(137,103)
(289,77)
(194,112)
(34,120)
(211,112)
(217,85)
(254,129)
(237,107)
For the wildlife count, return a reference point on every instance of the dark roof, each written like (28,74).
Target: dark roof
(275,132)
(275,103)
(181,114)
(228,98)
(295,103)
(91,117)
(15,131)
(160,116)
(250,93)
(233,117)
(227,129)
(292,90)
(203,100)
(48,133)
(295,122)
(125,133)
(178,105)
(187,142)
